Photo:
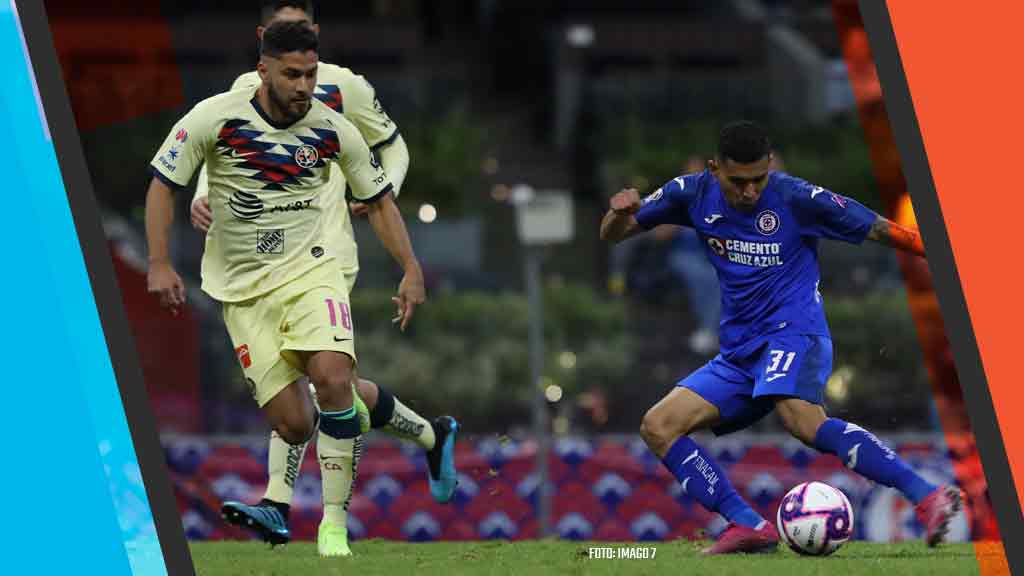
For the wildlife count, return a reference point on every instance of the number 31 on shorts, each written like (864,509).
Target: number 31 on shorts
(773,370)
(342,311)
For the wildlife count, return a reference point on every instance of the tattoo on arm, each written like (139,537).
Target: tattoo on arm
(891,234)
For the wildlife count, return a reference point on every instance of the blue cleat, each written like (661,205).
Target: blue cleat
(265,519)
(441,460)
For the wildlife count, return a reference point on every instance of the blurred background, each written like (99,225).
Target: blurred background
(577,96)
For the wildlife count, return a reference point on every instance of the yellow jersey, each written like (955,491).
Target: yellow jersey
(344,91)
(268,186)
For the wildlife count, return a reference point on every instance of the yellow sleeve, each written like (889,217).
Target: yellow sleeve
(364,110)
(363,172)
(184,150)
(395,158)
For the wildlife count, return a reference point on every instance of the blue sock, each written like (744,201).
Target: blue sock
(865,454)
(340,424)
(704,480)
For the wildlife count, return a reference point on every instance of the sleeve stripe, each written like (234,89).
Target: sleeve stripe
(163,178)
(387,189)
(386,142)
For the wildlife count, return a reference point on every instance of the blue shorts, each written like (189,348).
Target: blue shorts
(743,385)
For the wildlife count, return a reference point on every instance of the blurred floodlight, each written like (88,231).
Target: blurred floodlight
(580,35)
(428,213)
(553,393)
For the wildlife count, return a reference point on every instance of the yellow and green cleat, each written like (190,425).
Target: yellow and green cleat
(332,540)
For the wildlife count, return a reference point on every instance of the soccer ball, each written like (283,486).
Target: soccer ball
(815,519)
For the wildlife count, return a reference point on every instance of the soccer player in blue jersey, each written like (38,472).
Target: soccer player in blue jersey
(760,230)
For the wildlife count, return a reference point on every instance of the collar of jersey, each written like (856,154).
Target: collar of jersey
(266,117)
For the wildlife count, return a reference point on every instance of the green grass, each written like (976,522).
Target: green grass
(562,557)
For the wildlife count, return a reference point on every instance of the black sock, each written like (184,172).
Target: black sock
(381,414)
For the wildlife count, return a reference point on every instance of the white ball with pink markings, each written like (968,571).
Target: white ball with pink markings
(815,519)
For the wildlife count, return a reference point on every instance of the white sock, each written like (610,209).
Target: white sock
(408,425)
(283,463)
(339,463)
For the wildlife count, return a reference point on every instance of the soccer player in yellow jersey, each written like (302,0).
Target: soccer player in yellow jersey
(350,94)
(269,152)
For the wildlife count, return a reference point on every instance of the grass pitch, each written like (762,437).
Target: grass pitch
(564,557)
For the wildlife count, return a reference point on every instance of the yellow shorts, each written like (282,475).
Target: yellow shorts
(308,314)
(350,279)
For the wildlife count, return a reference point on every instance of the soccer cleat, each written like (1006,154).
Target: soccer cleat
(936,510)
(441,460)
(332,540)
(741,539)
(264,519)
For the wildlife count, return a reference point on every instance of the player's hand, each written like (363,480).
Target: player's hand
(358,208)
(411,293)
(163,281)
(626,201)
(202,217)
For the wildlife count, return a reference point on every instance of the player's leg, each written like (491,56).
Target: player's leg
(279,390)
(717,395)
(795,372)
(437,438)
(862,452)
(391,416)
(339,445)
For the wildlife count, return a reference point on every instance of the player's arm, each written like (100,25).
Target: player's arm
(887,232)
(629,214)
(390,229)
(619,223)
(394,155)
(161,277)
(366,112)
(370,185)
(178,158)
(199,210)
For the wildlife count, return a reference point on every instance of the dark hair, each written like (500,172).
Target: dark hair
(744,142)
(268,8)
(283,37)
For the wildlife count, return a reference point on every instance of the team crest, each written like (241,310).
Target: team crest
(306,156)
(767,222)
(181,136)
(716,246)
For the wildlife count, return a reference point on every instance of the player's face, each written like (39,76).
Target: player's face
(742,184)
(290,80)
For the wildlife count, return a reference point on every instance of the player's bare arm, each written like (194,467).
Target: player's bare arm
(620,223)
(892,234)
(161,277)
(390,229)
(201,215)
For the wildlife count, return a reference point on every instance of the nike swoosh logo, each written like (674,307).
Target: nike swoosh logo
(775,376)
(816,190)
(336,339)
(237,154)
(713,218)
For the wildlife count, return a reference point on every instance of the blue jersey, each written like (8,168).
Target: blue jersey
(767,259)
